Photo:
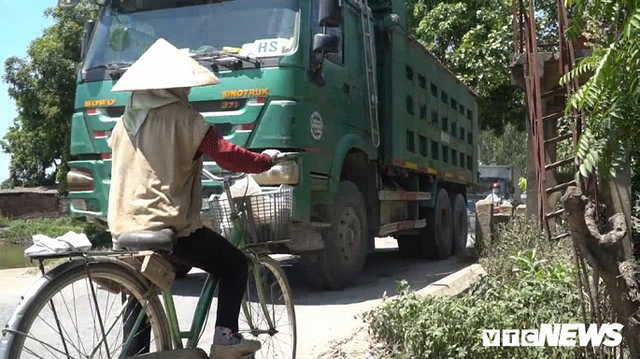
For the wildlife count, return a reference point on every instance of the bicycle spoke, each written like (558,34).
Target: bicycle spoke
(34,354)
(75,311)
(93,318)
(49,350)
(111,326)
(74,324)
(54,329)
(39,342)
(95,300)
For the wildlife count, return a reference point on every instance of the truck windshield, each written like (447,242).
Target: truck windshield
(127,28)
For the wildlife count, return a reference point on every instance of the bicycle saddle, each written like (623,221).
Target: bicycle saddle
(161,241)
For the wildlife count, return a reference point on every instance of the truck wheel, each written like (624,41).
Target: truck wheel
(346,242)
(460,226)
(439,241)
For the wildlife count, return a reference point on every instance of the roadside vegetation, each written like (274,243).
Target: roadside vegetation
(530,282)
(18,232)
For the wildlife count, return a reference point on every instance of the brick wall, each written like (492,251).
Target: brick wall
(30,203)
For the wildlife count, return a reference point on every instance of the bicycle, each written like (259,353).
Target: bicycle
(125,317)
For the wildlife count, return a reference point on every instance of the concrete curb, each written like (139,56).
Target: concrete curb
(455,283)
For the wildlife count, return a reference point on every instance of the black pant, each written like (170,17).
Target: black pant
(209,251)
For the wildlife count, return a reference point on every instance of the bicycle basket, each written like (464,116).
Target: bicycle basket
(271,211)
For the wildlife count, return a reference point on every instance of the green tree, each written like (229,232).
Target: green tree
(609,146)
(43,87)
(474,38)
(611,97)
(508,149)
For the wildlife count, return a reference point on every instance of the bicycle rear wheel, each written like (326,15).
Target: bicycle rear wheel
(66,320)
(272,321)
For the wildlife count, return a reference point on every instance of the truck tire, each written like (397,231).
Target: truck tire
(460,226)
(435,241)
(345,247)
(439,239)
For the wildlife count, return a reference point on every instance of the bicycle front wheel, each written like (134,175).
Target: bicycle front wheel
(268,314)
(73,316)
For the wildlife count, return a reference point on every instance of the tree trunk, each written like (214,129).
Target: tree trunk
(620,202)
(607,255)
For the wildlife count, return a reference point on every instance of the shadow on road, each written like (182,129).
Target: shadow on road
(383,270)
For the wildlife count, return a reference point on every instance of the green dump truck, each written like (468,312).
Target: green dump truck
(388,135)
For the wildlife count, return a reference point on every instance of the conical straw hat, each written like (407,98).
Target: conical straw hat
(163,66)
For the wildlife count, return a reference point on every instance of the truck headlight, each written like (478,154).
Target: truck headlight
(79,180)
(282,173)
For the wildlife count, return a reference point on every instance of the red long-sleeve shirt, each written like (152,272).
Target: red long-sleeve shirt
(231,157)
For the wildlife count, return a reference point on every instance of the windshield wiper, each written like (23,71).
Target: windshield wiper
(229,60)
(252,60)
(112,66)
(113,69)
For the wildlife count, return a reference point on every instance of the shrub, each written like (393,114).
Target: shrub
(522,234)
(530,282)
(450,327)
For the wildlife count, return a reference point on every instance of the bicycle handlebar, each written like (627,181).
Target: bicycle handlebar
(279,158)
(285,156)
(225,178)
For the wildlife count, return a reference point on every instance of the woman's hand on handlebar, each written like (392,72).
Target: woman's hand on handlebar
(279,157)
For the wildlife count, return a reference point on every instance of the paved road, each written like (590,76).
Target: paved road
(322,316)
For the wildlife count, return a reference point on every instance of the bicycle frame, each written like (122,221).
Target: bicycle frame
(236,238)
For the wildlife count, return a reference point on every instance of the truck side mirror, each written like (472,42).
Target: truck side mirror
(65,4)
(86,36)
(330,13)
(326,44)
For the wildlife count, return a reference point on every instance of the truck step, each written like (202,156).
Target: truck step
(403,196)
(394,227)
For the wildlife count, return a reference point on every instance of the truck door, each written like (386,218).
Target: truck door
(335,97)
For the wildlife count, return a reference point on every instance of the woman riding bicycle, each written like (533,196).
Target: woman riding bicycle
(155,180)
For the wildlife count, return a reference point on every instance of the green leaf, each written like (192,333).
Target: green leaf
(583,171)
